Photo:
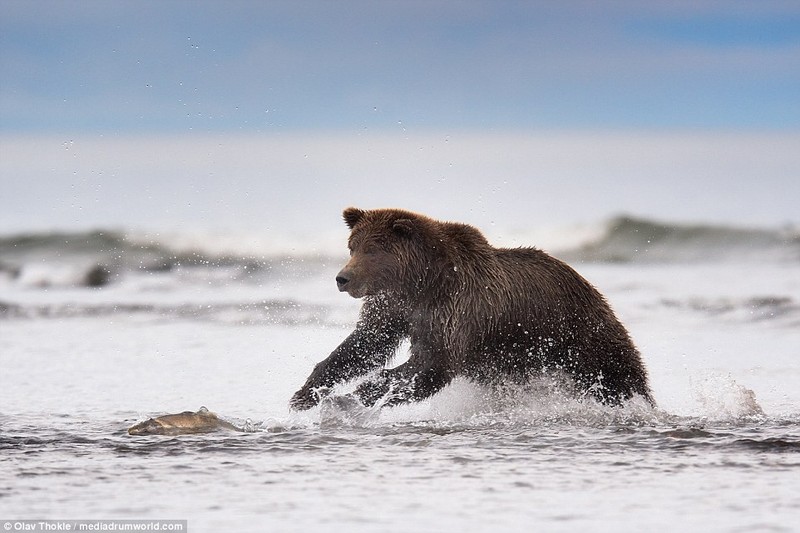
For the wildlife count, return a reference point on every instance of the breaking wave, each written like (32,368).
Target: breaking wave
(99,258)
(628,239)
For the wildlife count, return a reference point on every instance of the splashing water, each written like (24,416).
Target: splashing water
(722,398)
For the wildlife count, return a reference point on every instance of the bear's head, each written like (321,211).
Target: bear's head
(391,252)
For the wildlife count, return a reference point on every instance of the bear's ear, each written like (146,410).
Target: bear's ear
(352,216)
(403,226)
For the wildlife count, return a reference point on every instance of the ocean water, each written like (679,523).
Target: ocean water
(99,331)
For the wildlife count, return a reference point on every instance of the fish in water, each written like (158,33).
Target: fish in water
(203,421)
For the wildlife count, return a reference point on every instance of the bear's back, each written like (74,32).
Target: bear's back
(532,270)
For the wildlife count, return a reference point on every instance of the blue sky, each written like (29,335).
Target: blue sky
(273,115)
(199,66)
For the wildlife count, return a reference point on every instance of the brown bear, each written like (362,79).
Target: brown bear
(469,309)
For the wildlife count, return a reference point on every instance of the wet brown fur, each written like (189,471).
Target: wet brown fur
(469,309)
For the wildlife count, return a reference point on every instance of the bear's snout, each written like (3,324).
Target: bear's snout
(348,281)
(342,279)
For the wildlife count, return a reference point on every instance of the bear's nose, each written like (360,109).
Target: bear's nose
(341,281)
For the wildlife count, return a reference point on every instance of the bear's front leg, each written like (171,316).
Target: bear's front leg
(369,347)
(357,355)
(406,383)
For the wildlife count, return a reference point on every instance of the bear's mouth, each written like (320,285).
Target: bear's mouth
(355,292)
